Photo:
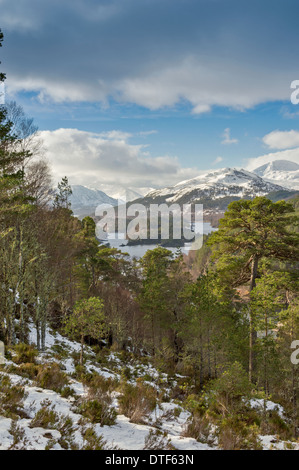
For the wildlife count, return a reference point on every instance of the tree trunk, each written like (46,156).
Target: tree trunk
(254,266)
(253,333)
(81,352)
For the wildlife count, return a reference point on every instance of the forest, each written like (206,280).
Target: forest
(225,319)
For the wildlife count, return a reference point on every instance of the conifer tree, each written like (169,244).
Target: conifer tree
(252,230)
(62,197)
(87,319)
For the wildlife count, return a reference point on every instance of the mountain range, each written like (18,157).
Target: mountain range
(85,200)
(215,189)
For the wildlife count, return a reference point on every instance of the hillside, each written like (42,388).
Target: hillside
(50,406)
(84,201)
(214,189)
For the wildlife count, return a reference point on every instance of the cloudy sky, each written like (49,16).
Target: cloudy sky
(150,92)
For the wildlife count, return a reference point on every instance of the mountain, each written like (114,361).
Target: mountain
(282,172)
(85,200)
(215,189)
(124,193)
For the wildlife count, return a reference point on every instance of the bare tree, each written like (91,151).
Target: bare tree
(26,132)
(39,182)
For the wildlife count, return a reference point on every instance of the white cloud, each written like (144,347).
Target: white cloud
(115,135)
(291,155)
(2,93)
(227,140)
(92,159)
(201,108)
(217,160)
(282,139)
(204,84)
(146,133)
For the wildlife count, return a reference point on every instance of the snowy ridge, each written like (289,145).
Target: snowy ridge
(84,200)
(124,193)
(281,172)
(83,196)
(217,184)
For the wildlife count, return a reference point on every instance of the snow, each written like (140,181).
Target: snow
(83,196)
(168,417)
(271,442)
(123,435)
(85,199)
(261,404)
(124,193)
(282,172)
(218,184)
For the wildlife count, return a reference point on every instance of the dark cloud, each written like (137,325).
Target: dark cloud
(153,53)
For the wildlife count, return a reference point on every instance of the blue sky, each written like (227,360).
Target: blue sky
(148,92)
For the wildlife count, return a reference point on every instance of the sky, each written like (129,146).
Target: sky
(147,93)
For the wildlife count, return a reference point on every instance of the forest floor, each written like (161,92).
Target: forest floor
(164,427)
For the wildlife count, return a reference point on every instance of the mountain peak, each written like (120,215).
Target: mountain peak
(282,172)
(220,186)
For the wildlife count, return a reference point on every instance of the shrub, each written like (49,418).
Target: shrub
(91,441)
(273,423)
(137,402)
(46,417)
(229,389)
(67,392)
(157,440)
(236,434)
(50,376)
(25,353)
(11,397)
(102,357)
(199,428)
(19,439)
(60,352)
(98,412)
(99,386)
(126,373)
(65,426)
(28,370)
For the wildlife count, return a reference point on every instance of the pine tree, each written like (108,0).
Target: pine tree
(87,319)
(153,297)
(61,199)
(252,230)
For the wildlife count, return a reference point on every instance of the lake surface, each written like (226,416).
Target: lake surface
(137,251)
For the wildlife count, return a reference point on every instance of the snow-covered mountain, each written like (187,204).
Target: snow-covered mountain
(282,172)
(215,188)
(124,193)
(218,186)
(85,200)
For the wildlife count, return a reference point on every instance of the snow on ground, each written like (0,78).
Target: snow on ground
(168,417)
(122,435)
(272,443)
(268,405)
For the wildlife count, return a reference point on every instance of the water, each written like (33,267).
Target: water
(137,251)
